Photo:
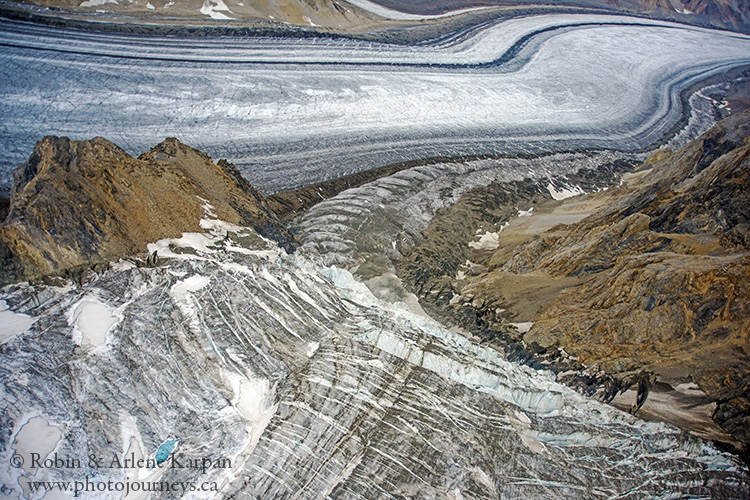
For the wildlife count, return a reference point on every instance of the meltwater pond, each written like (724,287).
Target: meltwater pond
(290,112)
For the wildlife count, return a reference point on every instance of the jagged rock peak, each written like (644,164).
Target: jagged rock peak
(75,203)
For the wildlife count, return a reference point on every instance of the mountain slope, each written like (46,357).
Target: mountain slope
(340,15)
(311,13)
(655,282)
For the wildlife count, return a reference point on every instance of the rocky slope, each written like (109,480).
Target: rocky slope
(650,281)
(77,203)
(343,16)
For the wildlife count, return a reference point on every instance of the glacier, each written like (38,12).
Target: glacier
(290,379)
(287,376)
(292,111)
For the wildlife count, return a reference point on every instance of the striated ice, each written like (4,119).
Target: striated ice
(310,382)
(310,109)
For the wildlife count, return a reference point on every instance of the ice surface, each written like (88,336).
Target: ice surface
(399,207)
(291,366)
(311,384)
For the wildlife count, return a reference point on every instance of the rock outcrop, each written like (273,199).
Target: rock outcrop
(666,273)
(77,203)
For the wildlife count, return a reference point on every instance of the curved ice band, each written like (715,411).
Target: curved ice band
(294,111)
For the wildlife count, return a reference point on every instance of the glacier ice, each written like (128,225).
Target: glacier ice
(290,367)
(312,386)
(307,109)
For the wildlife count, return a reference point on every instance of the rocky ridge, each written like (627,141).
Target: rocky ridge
(647,282)
(80,203)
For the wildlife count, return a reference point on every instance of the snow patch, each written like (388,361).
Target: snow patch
(523,327)
(312,348)
(531,443)
(91,321)
(253,399)
(214,9)
(133,449)
(387,13)
(96,3)
(565,192)
(189,285)
(525,213)
(208,209)
(37,436)
(220,225)
(488,241)
(11,323)
(122,265)
(485,480)
(196,241)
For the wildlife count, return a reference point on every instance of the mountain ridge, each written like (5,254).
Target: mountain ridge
(363,17)
(78,203)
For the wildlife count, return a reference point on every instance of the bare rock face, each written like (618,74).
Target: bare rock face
(76,203)
(660,274)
